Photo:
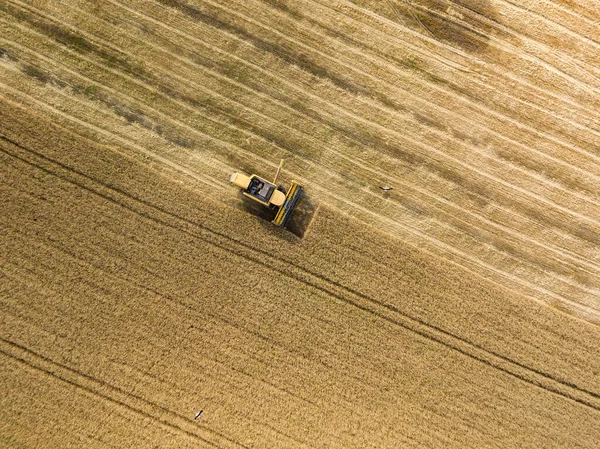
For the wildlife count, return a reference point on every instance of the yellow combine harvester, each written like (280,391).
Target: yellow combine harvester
(269,194)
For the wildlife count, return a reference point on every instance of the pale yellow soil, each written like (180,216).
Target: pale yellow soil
(461,309)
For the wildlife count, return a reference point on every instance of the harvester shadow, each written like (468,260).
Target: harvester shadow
(298,224)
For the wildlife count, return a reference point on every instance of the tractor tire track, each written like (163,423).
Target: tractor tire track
(329,287)
(101,389)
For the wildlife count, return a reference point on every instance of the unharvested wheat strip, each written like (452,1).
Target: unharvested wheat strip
(261,259)
(169,222)
(234,252)
(106,392)
(554,159)
(174,301)
(427,331)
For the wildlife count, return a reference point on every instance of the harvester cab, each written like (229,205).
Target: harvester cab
(270,194)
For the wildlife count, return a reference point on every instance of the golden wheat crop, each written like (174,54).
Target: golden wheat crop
(458,310)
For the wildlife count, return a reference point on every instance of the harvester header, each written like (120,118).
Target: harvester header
(270,194)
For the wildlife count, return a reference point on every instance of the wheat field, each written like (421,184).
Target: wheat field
(460,309)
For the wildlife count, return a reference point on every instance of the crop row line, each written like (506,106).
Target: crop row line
(351,66)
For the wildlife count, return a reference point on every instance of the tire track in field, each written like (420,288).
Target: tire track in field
(105,391)
(445,249)
(584,311)
(506,28)
(556,25)
(187,306)
(320,282)
(391,33)
(393,26)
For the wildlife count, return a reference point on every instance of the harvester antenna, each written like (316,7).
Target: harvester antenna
(278,171)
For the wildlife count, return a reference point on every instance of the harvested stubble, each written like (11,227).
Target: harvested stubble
(500,181)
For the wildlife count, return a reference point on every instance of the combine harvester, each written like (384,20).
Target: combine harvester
(270,194)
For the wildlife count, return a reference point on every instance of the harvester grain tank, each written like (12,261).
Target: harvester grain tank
(270,194)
